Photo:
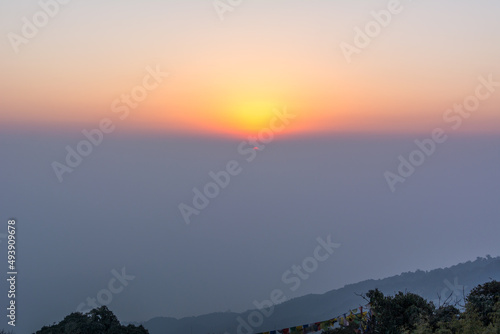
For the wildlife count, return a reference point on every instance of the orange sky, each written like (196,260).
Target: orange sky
(225,77)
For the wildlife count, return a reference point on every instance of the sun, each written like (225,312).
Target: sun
(250,116)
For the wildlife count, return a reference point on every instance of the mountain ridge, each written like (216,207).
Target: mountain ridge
(453,282)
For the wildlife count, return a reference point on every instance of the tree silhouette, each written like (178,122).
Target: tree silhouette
(483,299)
(98,321)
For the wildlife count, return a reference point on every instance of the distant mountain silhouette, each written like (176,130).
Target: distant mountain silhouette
(451,283)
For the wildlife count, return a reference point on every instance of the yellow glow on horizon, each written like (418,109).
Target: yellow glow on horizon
(250,116)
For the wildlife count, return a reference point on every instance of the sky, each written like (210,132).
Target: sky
(374,123)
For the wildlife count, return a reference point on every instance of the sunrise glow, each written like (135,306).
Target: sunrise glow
(228,82)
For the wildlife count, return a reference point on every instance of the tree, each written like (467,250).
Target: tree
(409,313)
(483,300)
(443,315)
(394,315)
(481,315)
(97,321)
